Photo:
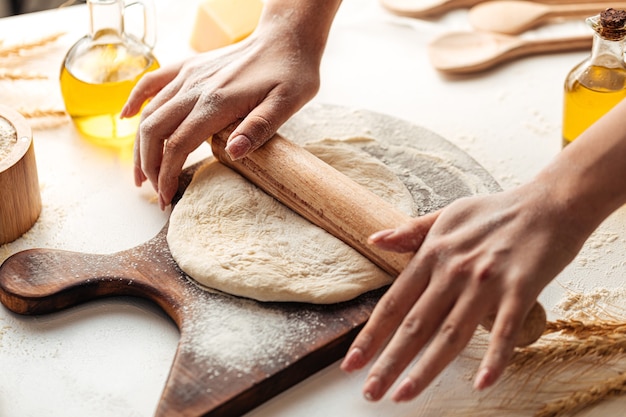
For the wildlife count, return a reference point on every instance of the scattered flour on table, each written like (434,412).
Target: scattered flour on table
(595,304)
(596,247)
(238,336)
(47,232)
(8,137)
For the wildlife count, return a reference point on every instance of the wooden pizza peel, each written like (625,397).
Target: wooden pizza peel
(214,372)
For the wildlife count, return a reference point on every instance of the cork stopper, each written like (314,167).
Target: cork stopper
(613,18)
(610,24)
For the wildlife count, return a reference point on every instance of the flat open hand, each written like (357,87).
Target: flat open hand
(478,257)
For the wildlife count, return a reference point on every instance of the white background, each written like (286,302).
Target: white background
(111,358)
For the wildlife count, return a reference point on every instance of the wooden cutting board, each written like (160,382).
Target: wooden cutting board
(235,353)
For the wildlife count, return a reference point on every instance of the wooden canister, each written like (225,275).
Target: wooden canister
(20,198)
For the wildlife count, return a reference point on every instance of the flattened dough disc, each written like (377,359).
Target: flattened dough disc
(232,237)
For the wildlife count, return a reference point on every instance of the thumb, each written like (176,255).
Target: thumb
(407,237)
(257,128)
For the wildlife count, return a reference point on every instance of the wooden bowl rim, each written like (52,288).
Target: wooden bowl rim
(24,137)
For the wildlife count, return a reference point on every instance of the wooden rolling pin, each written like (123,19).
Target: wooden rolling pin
(331,200)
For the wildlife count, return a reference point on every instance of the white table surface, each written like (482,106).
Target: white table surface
(112,357)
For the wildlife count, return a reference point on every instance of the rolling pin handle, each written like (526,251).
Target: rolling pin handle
(532,329)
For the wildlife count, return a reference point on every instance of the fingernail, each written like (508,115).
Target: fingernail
(405,391)
(124,111)
(483,379)
(238,147)
(371,392)
(138,179)
(378,236)
(353,360)
(161,202)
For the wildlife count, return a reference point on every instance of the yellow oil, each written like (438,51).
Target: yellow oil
(95,86)
(589,97)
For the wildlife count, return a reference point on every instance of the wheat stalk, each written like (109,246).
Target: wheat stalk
(581,329)
(574,341)
(563,351)
(18,49)
(41,113)
(580,400)
(20,75)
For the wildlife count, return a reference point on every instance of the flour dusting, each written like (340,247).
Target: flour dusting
(238,336)
(596,304)
(8,137)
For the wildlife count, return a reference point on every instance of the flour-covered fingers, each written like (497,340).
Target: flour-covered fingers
(205,119)
(260,124)
(455,332)
(407,237)
(148,87)
(138,174)
(156,129)
(165,89)
(413,333)
(388,314)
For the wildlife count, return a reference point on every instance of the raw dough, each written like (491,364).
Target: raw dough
(229,235)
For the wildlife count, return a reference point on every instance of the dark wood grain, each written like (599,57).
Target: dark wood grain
(41,281)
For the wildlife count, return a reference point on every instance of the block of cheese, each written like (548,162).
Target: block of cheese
(224,22)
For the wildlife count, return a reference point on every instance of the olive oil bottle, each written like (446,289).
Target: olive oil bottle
(598,83)
(101,69)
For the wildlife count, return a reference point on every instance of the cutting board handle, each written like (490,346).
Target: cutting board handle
(40,281)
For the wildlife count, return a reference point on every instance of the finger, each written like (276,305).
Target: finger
(407,237)
(259,126)
(452,337)
(388,314)
(148,86)
(138,174)
(205,119)
(156,129)
(502,342)
(165,93)
(416,329)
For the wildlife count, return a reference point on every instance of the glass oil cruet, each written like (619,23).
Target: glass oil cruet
(598,83)
(101,69)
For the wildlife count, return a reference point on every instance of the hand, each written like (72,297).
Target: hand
(260,81)
(478,257)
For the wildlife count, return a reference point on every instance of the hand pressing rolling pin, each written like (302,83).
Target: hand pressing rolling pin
(262,81)
(477,256)
(488,253)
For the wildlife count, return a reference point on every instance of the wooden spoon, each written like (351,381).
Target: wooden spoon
(516,16)
(427,8)
(466,52)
